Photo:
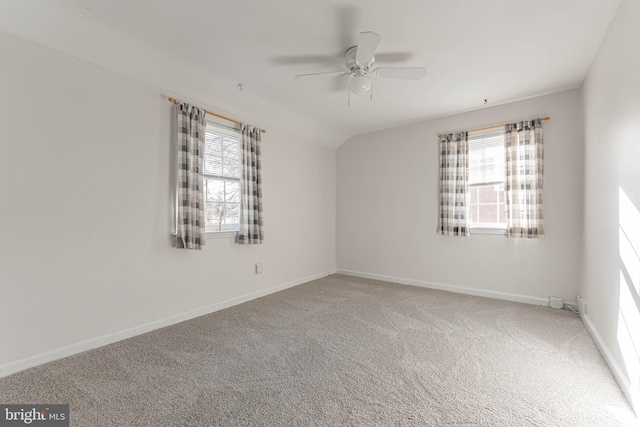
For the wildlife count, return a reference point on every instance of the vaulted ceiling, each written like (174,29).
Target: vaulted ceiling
(498,50)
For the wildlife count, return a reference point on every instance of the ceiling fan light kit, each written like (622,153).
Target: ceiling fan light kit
(360,84)
(358,62)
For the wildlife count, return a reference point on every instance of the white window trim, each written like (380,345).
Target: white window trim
(488,229)
(222,234)
(209,235)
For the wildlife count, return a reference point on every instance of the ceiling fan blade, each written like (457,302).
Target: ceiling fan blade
(393,56)
(367,44)
(320,75)
(325,61)
(411,73)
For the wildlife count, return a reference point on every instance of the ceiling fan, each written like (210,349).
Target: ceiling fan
(359,60)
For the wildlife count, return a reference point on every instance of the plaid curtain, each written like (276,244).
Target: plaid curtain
(251,226)
(454,178)
(190,227)
(524,168)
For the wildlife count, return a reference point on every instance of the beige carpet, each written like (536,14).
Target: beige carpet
(342,351)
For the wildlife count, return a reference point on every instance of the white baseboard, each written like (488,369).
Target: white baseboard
(633,396)
(451,288)
(92,343)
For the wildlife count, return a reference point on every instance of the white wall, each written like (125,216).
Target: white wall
(86,178)
(387,207)
(611,267)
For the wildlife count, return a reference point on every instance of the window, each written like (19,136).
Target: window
(221,178)
(486,181)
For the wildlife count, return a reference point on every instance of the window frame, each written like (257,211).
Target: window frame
(235,133)
(489,228)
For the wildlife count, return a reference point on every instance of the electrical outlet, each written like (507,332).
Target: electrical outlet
(582,305)
(258,268)
(555,302)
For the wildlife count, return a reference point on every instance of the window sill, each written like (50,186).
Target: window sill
(221,234)
(488,230)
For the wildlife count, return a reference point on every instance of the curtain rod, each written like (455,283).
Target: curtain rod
(175,101)
(493,127)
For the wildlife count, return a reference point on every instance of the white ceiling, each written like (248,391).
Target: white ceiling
(499,50)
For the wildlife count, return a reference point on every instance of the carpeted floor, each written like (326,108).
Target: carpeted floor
(342,351)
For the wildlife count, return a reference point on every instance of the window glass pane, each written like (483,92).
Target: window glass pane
(214,190)
(212,165)
(232,213)
(213,215)
(230,168)
(231,147)
(486,158)
(487,214)
(473,213)
(212,153)
(221,154)
(486,204)
(213,144)
(232,192)
(473,195)
(487,194)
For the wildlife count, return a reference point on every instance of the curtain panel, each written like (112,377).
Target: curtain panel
(524,170)
(251,224)
(454,177)
(190,226)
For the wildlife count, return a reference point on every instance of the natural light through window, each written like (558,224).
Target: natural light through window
(221,179)
(486,181)
(628,335)
(630,238)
